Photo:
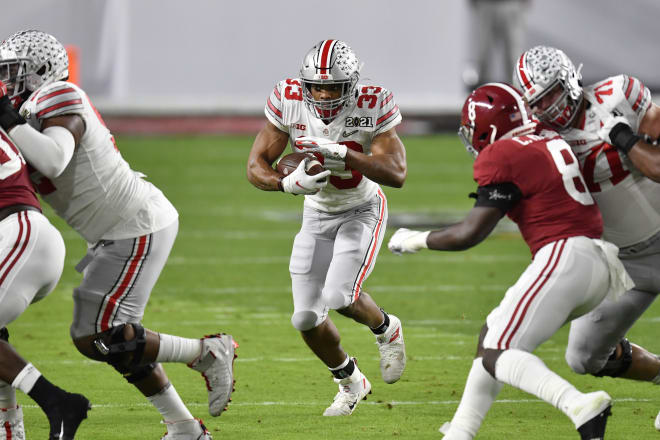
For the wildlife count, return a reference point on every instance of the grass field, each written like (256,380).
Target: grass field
(228,272)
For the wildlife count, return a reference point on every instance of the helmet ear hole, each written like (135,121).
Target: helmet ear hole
(41,71)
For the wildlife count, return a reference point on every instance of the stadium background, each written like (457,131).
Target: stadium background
(194,76)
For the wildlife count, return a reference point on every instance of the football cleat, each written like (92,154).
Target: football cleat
(216,363)
(657,422)
(187,430)
(392,351)
(67,415)
(352,390)
(590,415)
(11,424)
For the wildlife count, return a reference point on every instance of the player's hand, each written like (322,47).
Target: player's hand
(328,149)
(299,182)
(9,116)
(406,241)
(616,130)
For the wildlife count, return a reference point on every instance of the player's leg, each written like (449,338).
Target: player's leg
(358,239)
(310,258)
(481,390)
(29,275)
(550,292)
(108,307)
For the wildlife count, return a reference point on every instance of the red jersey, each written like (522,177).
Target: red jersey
(555,203)
(15,185)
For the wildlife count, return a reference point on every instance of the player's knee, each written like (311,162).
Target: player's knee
(581,363)
(122,347)
(306,320)
(336,297)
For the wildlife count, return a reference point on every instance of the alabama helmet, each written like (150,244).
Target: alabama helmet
(491,112)
(330,62)
(30,59)
(540,70)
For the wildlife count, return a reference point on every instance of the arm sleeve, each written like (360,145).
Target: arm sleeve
(49,151)
(503,196)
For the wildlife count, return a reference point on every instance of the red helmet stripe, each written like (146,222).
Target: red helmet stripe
(521,72)
(325,56)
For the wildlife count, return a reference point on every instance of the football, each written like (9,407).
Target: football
(288,164)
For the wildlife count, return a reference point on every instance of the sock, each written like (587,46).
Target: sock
(7,396)
(169,405)
(45,394)
(480,392)
(345,369)
(26,378)
(178,349)
(527,372)
(383,327)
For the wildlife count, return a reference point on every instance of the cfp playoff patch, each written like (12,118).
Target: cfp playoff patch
(359,121)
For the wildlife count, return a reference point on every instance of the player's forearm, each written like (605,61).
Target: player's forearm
(384,169)
(452,238)
(647,159)
(49,151)
(262,176)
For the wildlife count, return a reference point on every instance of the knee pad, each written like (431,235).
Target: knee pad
(125,356)
(304,321)
(336,298)
(616,367)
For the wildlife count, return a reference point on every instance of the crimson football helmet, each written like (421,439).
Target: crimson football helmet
(30,59)
(330,62)
(491,112)
(542,70)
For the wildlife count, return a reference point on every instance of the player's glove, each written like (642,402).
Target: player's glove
(328,149)
(406,241)
(617,131)
(9,116)
(299,182)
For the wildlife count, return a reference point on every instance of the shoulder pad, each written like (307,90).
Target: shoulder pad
(58,98)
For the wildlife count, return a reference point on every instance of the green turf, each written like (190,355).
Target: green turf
(228,272)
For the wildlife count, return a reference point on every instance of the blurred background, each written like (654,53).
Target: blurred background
(209,65)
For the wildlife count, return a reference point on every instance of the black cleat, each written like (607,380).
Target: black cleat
(67,415)
(594,429)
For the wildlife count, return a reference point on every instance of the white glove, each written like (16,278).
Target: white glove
(327,148)
(406,241)
(299,182)
(608,125)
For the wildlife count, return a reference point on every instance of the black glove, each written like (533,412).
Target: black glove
(9,116)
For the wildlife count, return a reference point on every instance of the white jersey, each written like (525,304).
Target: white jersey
(628,201)
(97,194)
(373,112)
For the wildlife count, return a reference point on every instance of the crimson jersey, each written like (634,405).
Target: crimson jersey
(555,203)
(15,185)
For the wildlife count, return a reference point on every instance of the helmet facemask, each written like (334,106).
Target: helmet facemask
(14,74)
(330,63)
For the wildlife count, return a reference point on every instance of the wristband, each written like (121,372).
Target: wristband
(9,117)
(623,137)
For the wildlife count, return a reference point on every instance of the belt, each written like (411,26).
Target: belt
(13,209)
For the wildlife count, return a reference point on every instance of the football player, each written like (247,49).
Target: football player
(612,127)
(31,262)
(129,225)
(350,128)
(536,181)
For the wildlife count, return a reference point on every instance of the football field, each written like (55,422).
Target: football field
(228,272)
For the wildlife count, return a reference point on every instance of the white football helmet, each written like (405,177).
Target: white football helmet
(30,59)
(330,62)
(540,70)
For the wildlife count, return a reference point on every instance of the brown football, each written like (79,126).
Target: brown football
(288,164)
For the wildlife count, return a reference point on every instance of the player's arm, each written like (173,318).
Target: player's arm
(267,147)
(493,201)
(639,147)
(387,163)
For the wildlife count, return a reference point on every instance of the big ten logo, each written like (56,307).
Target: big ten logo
(301,127)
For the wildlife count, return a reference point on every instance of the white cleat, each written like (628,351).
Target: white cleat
(216,363)
(193,429)
(352,390)
(589,414)
(392,351)
(11,424)
(657,422)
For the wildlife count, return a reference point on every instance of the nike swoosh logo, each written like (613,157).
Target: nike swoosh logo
(348,133)
(352,405)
